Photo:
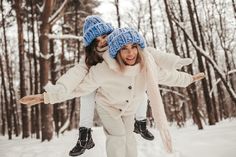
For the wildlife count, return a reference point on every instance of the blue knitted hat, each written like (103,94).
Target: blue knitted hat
(94,27)
(122,36)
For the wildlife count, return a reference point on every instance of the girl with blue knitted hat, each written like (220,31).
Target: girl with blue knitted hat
(95,32)
(121,81)
(64,89)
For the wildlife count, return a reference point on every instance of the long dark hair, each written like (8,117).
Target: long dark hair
(91,55)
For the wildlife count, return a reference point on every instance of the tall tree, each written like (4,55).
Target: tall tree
(202,39)
(208,102)
(191,90)
(24,110)
(46,109)
(151,23)
(173,33)
(35,109)
(4,108)
(7,102)
(47,21)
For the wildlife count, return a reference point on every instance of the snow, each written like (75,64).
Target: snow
(214,141)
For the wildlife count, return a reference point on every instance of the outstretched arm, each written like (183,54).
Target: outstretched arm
(69,81)
(168,61)
(63,87)
(176,78)
(87,86)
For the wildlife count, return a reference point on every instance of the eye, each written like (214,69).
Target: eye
(124,49)
(134,46)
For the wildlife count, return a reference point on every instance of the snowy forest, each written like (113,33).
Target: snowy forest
(41,39)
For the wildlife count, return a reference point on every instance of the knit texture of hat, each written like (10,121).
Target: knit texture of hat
(122,36)
(94,27)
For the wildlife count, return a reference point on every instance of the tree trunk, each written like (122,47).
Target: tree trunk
(214,111)
(77,29)
(139,17)
(35,109)
(118,12)
(151,23)
(234,8)
(191,90)
(7,103)
(5,112)
(173,34)
(211,119)
(46,109)
(220,90)
(25,114)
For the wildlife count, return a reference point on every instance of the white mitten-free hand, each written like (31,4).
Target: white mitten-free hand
(198,77)
(32,99)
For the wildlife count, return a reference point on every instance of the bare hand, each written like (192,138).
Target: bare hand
(198,77)
(32,99)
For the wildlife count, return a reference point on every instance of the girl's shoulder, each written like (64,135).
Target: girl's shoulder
(151,49)
(100,67)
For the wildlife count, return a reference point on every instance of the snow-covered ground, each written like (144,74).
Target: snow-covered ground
(214,141)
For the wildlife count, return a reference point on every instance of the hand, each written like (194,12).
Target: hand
(198,77)
(32,99)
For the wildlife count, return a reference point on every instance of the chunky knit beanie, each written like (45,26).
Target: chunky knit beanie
(94,27)
(122,36)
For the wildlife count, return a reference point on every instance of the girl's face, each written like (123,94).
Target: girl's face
(129,54)
(101,41)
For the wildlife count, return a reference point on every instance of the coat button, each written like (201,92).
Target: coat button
(120,110)
(130,87)
(127,101)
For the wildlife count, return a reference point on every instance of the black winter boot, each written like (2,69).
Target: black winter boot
(84,142)
(141,128)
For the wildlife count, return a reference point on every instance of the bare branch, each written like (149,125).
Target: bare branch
(174,92)
(41,8)
(58,13)
(218,81)
(65,36)
(208,58)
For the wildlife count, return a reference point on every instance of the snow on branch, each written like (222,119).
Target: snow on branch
(82,12)
(65,36)
(174,92)
(199,49)
(232,71)
(218,81)
(47,56)
(58,13)
(202,52)
(41,8)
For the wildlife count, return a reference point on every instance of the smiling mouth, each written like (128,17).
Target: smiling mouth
(130,59)
(104,45)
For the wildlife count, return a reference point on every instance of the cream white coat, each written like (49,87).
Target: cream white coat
(119,93)
(166,65)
